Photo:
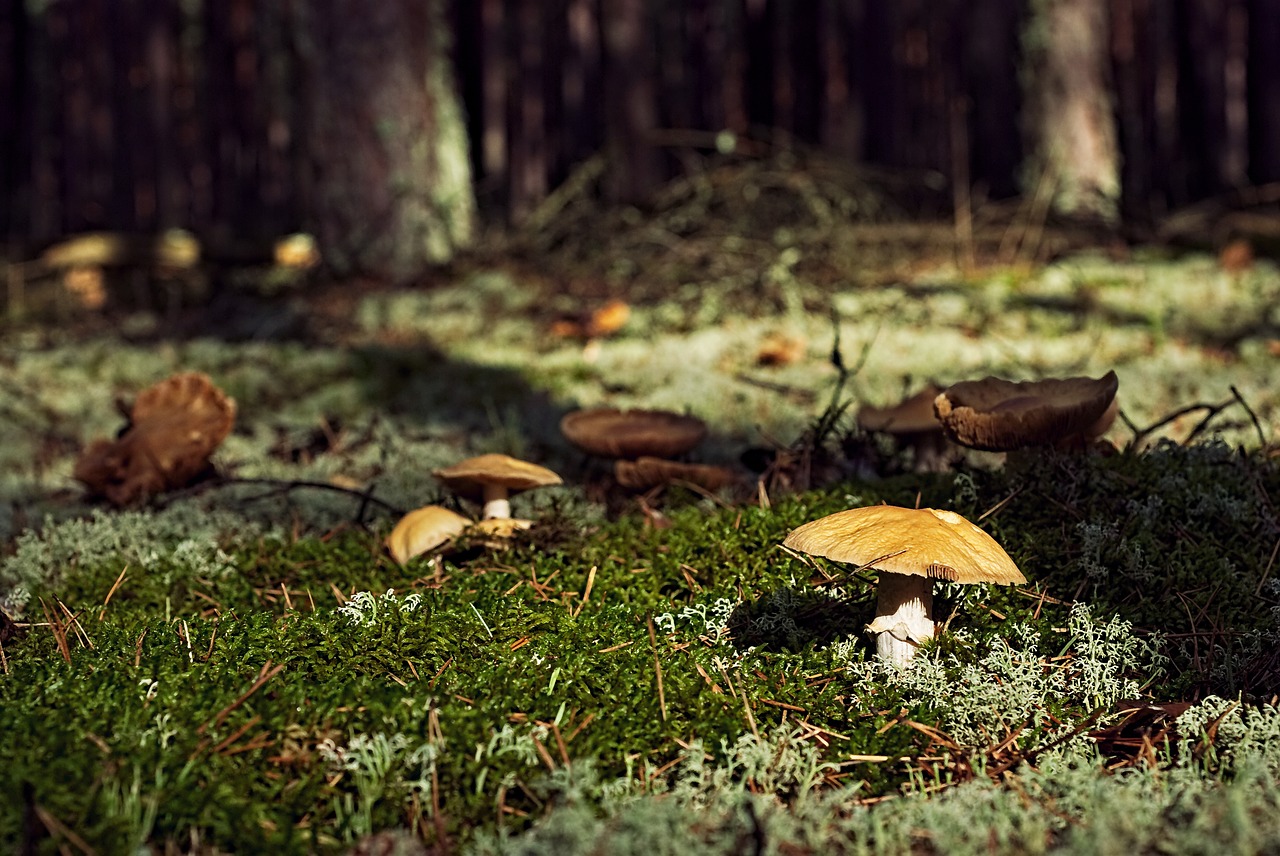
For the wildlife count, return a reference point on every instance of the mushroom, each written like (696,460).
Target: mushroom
(1000,415)
(911,547)
(491,479)
(424,529)
(647,472)
(174,427)
(610,433)
(912,423)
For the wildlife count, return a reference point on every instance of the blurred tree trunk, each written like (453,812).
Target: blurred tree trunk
(631,112)
(392,188)
(1069,118)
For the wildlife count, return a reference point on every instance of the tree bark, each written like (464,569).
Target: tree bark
(392,190)
(1069,118)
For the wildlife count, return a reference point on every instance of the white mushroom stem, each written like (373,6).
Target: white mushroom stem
(904,616)
(495,502)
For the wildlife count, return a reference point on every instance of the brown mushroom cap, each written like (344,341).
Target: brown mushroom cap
(424,529)
(470,477)
(175,425)
(610,433)
(922,542)
(913,415)
(646,472)
(1000,415)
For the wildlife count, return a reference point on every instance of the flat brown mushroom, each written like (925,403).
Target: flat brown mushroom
(912,423)
(648,472)
(1000,415)
(492,478)
(911,547)
(424,529)
(610,433)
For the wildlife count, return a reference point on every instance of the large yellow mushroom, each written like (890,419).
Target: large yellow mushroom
(911,547)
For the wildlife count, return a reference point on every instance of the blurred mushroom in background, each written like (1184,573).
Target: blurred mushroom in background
(492,479)
(913,425)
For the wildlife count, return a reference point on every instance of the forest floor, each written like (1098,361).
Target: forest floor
(239,666)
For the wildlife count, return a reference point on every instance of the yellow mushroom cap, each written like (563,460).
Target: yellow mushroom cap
(424,529)
(610,433)
(1000,415)
(922,542)
(468,478)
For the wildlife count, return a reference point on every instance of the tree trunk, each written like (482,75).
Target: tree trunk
(392,189)
(1069,120)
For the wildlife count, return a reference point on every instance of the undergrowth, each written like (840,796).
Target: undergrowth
(241,667)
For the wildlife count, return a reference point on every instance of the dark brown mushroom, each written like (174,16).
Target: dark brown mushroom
(999,415)
(610,433)
(913,424)
(649,472)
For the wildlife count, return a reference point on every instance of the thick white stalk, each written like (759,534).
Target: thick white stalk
(495,502)
(904,616)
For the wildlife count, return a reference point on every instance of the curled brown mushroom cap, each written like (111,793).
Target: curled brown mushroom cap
(424,529)
(912,423)
(647,472)
(611,433)
(1000,415)
(911,547)
(174,427)
(492,478)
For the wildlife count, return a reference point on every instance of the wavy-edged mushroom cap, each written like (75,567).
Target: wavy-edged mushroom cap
(911,547)
(1000,415)
(492,478)
(923,542)
(646,472)
(611,433)
(175,425)
(424,529)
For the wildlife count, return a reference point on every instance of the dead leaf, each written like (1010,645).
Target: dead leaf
(174,426)
(1237,256)
(779,349)
(603,321)
(608,319)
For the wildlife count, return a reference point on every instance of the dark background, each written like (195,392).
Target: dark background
(140,115)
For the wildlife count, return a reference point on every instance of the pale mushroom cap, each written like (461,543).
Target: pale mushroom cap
(923,542)
(1000,415)
(424,529)
(646,472)
(912,415)
(610,433)
(468,478)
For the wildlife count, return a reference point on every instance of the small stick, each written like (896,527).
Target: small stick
(1140,434)
(266,673)
(657,669)
(560,744)
(586,594)
(1253,417)
(114,586)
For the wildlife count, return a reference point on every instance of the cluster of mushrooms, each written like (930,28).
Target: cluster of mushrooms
(996,415)
(644,445)
(912,547)
(909,547)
